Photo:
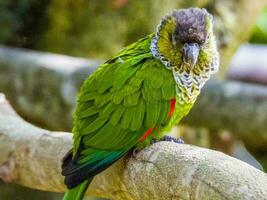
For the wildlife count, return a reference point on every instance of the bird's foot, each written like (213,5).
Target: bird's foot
(134,152)
(169,139)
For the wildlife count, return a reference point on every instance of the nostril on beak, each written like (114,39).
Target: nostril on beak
(190,53)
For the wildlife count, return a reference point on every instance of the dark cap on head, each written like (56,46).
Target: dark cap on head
(190,25)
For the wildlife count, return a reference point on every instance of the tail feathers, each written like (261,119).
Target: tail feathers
(76,174)
(77,193)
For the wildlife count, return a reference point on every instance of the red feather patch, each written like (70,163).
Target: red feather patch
(172,107)
(147,133)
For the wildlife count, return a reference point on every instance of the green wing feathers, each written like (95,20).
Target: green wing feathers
(137,103)
(117,104)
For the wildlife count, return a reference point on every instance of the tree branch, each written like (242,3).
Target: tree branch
(238,107)
(31,156)
(49,82)
(250,64)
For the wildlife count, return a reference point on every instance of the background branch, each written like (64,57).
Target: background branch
(31,156)
(231,18)
(249,64)
(234,106)
(55,27)
(46,86)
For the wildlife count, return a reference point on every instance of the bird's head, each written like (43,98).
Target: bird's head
(185,43)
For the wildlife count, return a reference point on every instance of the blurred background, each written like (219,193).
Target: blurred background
(231,115)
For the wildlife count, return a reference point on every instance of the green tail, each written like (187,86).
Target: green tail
(77,192)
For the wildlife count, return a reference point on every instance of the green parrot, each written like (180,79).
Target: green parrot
(139,94)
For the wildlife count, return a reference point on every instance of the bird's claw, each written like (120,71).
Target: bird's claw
(134,153)
(169,139)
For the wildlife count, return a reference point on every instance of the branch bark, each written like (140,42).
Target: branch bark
(31,156)
(238,107)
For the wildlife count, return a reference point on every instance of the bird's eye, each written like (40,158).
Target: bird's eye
(172,39)
(208,37)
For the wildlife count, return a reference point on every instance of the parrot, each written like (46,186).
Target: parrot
(136,96)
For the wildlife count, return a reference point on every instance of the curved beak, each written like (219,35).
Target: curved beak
(190,53)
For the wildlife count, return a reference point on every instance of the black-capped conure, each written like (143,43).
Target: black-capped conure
(139,94)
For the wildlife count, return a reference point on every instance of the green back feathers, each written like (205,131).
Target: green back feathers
(123,99)
(128,97)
